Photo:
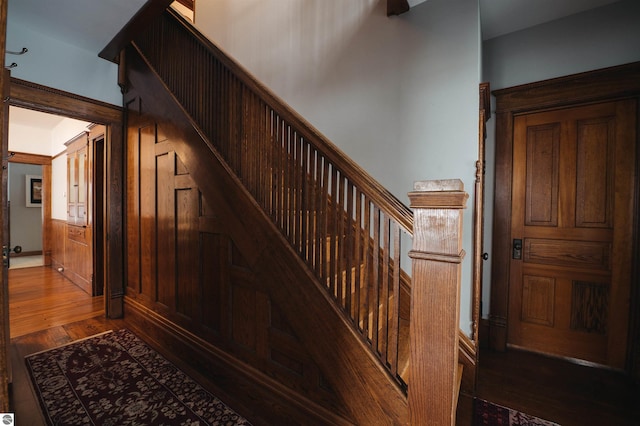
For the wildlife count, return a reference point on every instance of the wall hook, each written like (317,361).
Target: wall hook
(13,65)
(21,52)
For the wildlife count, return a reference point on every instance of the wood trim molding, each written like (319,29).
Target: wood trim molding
(30,95)
(26,158)
(612,83)
(605,84)
(478,209)
(5,359)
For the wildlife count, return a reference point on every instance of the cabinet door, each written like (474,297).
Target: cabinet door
(82,179)
(72,188)
(78,180)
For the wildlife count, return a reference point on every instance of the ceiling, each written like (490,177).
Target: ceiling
(91,24)
(500,17)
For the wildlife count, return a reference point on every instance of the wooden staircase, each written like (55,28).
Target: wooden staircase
(323,237)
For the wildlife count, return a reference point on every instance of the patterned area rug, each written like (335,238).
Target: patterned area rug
(489,414)
(116,379)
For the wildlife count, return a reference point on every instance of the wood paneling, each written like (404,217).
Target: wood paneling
(273,254)
(594,198)
(78,265)
(58,243)
(589,307)
(543,149)
(538,298)
(568,253)
(183,264)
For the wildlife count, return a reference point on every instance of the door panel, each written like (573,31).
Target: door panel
(572,200)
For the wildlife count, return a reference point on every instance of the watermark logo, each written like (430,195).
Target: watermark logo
(7,419)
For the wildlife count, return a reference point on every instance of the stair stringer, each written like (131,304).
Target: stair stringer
(354,373)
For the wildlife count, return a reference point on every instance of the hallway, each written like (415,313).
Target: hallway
(47,311)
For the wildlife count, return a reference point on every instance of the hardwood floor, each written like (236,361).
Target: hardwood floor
(48,311)
(41,298)
(555,390)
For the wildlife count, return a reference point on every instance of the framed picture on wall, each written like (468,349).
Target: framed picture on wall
(34,190)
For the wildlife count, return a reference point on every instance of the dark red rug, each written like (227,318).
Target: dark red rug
(490,414)
(116,379)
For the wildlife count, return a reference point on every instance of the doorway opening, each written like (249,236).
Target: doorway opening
(39,232)
(24,204)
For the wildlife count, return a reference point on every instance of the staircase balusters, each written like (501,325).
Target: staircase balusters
(347,228)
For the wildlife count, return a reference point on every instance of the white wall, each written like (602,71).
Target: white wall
(81,71)
(599,38)
(399,95)
(29,139)
(49,142)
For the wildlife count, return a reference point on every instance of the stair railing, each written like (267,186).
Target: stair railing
(352,233)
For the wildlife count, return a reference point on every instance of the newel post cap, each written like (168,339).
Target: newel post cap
(438,194)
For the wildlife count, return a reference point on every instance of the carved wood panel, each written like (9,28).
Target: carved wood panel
(568,253)
(182,264)
(542,175)
(538,296)
(589,306)
(594,176)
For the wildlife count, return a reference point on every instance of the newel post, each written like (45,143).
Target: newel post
(435,300)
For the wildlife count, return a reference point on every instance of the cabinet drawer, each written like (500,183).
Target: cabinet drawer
(77,233)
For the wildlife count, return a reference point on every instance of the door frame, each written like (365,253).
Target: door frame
(608,84)
(45,162)
(33,96)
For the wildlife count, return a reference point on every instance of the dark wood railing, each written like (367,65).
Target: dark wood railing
(348,229)
(352,233)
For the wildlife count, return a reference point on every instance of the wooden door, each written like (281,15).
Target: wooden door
(571,230)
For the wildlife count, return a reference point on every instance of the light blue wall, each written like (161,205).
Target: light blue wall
(52,63)
(25,223)
(595,39)
(398,95)
(599,38)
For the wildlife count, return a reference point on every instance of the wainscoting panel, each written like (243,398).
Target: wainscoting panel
(183,265)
